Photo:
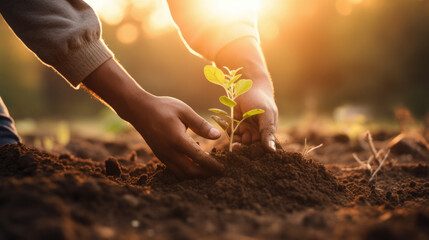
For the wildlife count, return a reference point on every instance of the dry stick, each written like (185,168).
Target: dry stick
(362,164)
(377,156)
(314,148)
(379,167)
(372,148)
(307,149)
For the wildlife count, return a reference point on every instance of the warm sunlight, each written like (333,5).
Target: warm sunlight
(110,11)
(127,33)
(158,21)
(233,9)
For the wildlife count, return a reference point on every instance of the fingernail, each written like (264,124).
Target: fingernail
(214,132)
(272,145)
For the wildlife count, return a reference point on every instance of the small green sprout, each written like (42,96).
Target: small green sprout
(234,87)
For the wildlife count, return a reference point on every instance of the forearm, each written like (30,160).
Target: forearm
(246,52)
(114,86)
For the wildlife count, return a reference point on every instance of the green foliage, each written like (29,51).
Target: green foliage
(252,113)
(242,86)
(234,87)
(214,75)
(227,101)
(218,111)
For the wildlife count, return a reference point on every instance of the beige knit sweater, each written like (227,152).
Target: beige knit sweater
(66,34)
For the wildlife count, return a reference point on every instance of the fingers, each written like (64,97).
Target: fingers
(267,130)
(189,168)
(191,149)
(249,132)
(182,166)
(246,138)
(197,124)
(177,171)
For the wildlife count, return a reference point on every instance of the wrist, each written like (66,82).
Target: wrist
(246,53)
(117,88)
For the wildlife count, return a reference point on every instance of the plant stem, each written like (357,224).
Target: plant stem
(232,129)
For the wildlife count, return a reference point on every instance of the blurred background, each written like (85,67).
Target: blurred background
(338,58)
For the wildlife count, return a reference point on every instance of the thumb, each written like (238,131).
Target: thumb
(199,125)
(267,129)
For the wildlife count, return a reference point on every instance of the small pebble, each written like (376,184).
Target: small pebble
(135,223)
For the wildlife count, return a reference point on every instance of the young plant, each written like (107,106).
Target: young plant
(234,87)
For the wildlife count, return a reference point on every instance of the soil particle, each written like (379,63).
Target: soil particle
(112,167)
(341,138)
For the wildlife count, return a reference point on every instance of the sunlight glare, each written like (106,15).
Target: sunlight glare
(127,33)
(268,29)
(110,11)
(232,9)
(159,21)
(344,7)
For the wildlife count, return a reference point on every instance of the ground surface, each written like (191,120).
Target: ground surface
(95,189)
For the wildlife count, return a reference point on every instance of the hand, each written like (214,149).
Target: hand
(162,121)
(261,127)
(246,53)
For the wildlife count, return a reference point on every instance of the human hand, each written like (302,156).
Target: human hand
(162,122)
(246,53)
(261,127)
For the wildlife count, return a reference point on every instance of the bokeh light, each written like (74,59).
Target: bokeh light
(334,51)
(158,22)
(127,33)
(110,11)
(230,9)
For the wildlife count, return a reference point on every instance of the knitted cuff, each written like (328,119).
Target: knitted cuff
(77,65)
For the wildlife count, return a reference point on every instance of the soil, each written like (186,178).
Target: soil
(93,189)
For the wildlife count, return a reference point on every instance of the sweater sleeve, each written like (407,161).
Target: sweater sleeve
(206,30)
(64,34)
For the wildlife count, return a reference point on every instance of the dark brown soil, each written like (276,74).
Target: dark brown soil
(260,195)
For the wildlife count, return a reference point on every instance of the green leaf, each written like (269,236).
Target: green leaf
(233,80)
(227,101)
(242,86)
(214,75)
(233,72)
(229,71)
(218,111)
(222,123)
(252,113)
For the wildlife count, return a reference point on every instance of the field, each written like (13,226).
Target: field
(100,189)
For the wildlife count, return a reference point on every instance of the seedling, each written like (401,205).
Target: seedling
(234,87)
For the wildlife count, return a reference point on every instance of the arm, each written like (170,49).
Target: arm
(65,35)
(245,52)
(232,41)
(162,121)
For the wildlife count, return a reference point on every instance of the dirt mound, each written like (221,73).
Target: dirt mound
(63,197)
(260,195)
(254,179)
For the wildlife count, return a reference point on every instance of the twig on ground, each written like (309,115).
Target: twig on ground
(379,167)
(372,147)
(362,165)
(307,149)
(375,156)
